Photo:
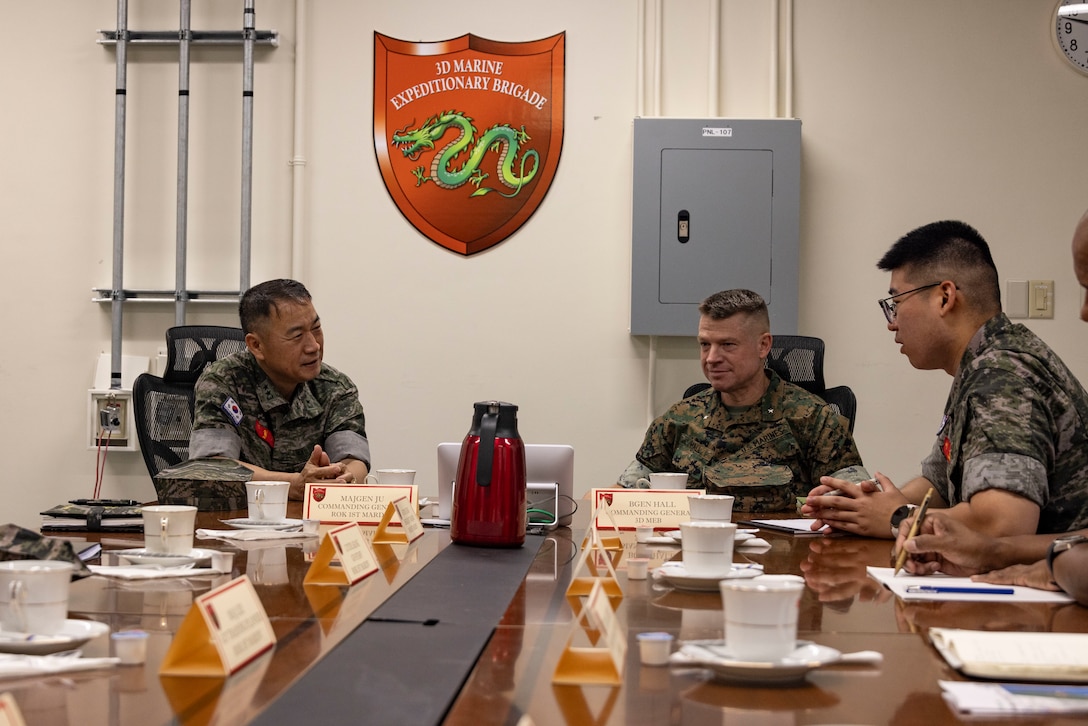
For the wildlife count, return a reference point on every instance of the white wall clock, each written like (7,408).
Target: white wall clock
(1071,33)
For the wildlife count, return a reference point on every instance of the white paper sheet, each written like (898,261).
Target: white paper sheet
(899,584)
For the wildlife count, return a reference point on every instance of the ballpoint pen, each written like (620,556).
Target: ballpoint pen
(962,590)
(914,527)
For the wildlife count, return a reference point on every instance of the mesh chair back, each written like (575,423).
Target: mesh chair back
(163,407)
(164,419)
(798,359)
(191,347)
(843,400)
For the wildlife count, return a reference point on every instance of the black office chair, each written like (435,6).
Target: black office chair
(799,359)
(163,407)
(843,400)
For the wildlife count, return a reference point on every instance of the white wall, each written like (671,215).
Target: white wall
(911,113)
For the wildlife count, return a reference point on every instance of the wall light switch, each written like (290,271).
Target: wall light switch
(1016,298)
(1041,299)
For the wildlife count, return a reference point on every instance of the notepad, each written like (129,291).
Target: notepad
(1030,656)
(905,586)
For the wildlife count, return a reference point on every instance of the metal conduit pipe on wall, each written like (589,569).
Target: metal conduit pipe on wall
(249,36)
(116,295)
(116,308)
(181,291)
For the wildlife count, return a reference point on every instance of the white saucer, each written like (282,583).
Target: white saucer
(662,539)
(674,574)
(740,536)
(283,525)
(806,657)
(141,556)
(74,634)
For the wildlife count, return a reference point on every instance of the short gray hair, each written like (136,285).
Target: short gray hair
(727,303)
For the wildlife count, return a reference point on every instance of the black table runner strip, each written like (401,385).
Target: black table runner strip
(407,662)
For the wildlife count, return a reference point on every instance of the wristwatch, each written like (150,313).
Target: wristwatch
(1061,544)
(899,515)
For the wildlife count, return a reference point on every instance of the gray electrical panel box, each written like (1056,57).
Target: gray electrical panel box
(716,206)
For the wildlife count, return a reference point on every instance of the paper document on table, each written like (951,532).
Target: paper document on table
(1031,656)
(1000,699)
(791,526)
(959,588)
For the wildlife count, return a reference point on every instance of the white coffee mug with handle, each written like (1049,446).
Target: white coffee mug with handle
(34,595)
(267,500)
(391,476)
(168,528)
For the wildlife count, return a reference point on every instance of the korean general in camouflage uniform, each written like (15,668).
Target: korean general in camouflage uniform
(272,432)
(765,455)
(271,404)
(1015,419)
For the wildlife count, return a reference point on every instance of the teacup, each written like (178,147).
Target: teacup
(711,507)
(761,616)
(267,500)
(34,595)
(168,528)
(391,476)
(664,480)
(708,548)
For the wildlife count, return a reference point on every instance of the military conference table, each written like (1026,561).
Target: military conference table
(464,635)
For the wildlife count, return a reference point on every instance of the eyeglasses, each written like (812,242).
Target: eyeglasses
(888,304)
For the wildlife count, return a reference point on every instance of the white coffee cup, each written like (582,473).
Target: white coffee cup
(34,595)
(654,648)
(637,568)
(168,528)
(761,616)
(664,480)
(391,476)
(267,500)
(707,548)
(711,507)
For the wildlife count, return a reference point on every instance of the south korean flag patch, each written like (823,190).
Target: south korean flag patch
(233,411)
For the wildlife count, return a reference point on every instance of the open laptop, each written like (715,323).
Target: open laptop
(549,477)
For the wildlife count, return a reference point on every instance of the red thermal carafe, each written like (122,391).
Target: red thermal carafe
(489,493)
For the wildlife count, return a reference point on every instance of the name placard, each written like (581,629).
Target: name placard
(354,553)
(626,509)
(409,520)
(600,613)
(356,556)
(365,504)
(10,715)
(225,629)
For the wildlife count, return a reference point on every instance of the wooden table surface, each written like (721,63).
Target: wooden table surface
(841,607)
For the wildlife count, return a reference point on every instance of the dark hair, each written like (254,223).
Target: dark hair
(727,303)
(258,301)
(948,250)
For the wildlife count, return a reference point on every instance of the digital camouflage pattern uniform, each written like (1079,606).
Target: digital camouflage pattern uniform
(1015,419)
(204,483)
(766,455)
(239,414)
(18,543)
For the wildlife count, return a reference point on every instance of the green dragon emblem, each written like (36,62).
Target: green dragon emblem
(500,138)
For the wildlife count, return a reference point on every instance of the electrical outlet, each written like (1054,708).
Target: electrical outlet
(110,419)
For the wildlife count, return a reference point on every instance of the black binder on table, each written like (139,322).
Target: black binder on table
(72,517)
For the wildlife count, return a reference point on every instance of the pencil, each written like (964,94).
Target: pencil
(914,527)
